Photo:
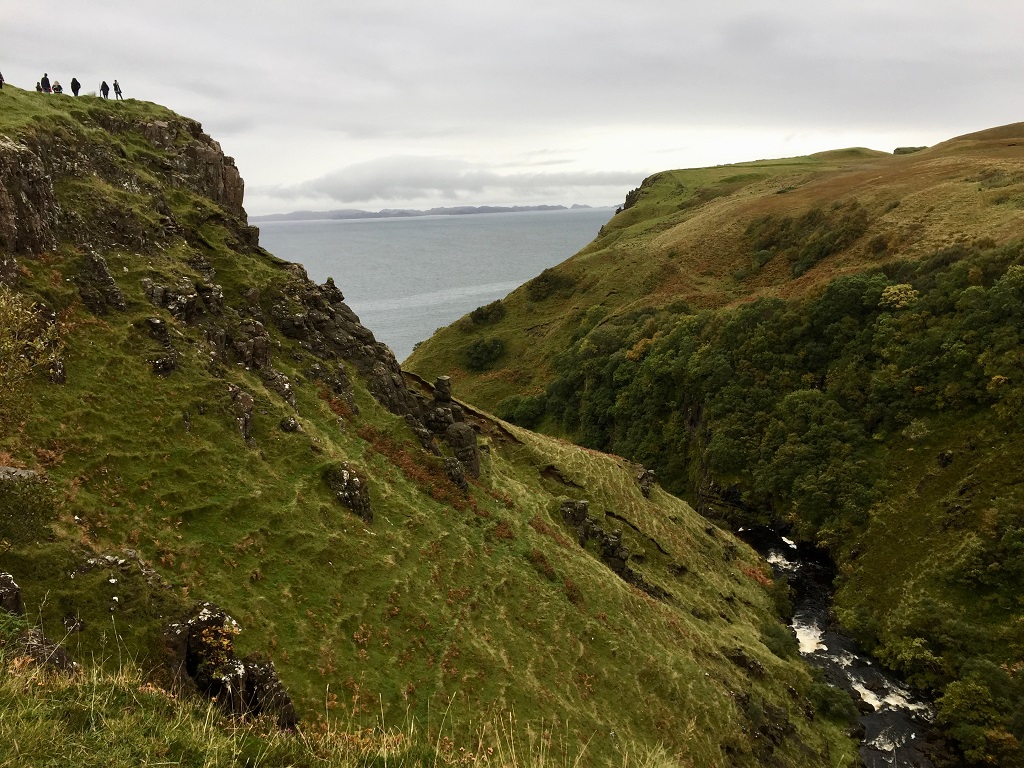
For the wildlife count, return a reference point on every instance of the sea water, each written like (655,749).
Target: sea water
(406,277)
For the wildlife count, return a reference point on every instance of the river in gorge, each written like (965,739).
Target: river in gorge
(895,722)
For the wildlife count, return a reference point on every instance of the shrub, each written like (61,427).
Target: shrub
(780,641)
(489,313)
(481,354)
(522,410)
(833,703)
(547,284)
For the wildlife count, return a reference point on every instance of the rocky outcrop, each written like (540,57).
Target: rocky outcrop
(613,552)
(167,361)
(96,285)
(445,418)
(180,299)
(10,595)
(28,208)
(251,344)
(242,406)
(462,439)
(187,156)
(204,168)
(646,479)
(201,652)
(317,316)
(351,489)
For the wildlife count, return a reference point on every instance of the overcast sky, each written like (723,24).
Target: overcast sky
(407,103)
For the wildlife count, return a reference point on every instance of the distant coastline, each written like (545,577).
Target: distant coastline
(395,213)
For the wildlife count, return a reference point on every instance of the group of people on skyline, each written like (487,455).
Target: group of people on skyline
(44,86)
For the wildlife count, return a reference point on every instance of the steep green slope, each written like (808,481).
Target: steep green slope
(217,428)
(844,359)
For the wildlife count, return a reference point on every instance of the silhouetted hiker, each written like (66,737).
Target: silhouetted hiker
(45,82)
(75,85)
(39,88)
(104,89)
(1,81)
(57,87)
(117,91)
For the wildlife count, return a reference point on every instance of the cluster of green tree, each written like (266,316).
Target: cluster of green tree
(792,406)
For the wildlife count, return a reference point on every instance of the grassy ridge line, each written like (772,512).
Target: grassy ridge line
(475,605)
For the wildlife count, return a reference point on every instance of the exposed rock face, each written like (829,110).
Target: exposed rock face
(201,650)
(614,553)
(189,157)
(167,361)
(462,438)
(456,472)
(181,299)
(28,209)
(251,345)
(96,286)
(318,317)
(351,489)
(243,406)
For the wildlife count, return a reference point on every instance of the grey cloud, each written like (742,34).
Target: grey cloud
(405,178)
(320,84)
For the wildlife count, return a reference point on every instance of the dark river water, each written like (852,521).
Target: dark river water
(896,723)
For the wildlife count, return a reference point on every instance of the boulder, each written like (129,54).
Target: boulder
(243,406)
(455,471)
(351,489)
(462,439)
(443,389)
(44,652)
(646,480)
(200,652)
(10,595)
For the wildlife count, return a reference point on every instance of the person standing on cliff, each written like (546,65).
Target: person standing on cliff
(1,81)
(45,82)
(104,89)
(75,85)
(117,91)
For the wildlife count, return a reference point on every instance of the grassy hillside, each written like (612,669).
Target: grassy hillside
(836,350)
(716,237)
(165,355)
